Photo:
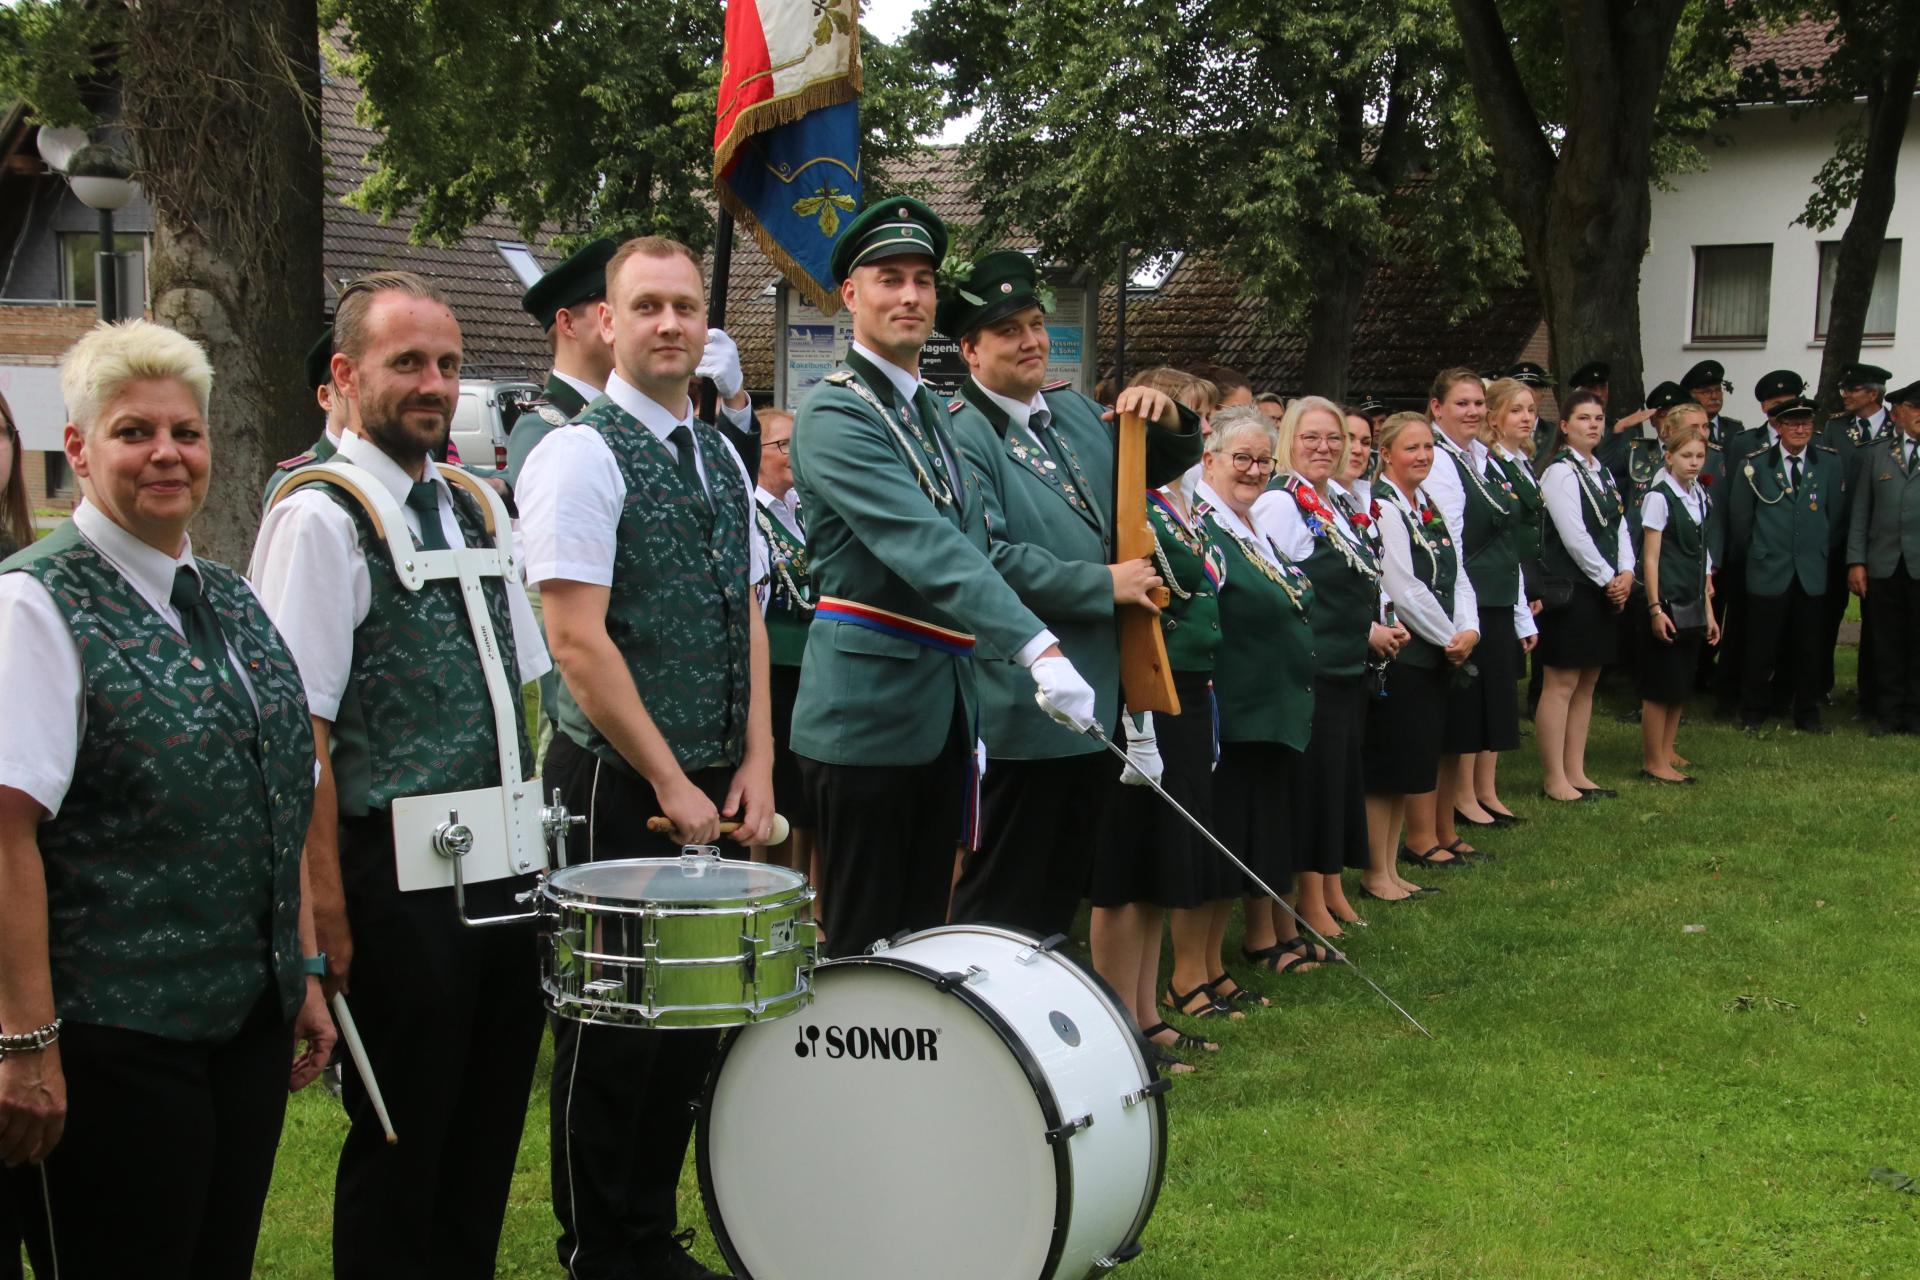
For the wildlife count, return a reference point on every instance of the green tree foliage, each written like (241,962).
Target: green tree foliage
(595,115)
(1279,137)
(49,52)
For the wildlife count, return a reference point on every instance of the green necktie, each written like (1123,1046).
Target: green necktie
(684,459)
(426,502)
(198,621)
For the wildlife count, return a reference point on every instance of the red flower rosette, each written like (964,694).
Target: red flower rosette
(1706,479)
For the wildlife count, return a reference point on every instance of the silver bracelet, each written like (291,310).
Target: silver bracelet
(30,1041)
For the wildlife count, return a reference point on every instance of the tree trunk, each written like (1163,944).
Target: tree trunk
(1331,317)
(1583,214)
(229,155)
(1889,104)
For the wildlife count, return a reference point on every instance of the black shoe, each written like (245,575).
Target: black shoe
(1462,820)
(1811,724)
(669,1258)
(1685,779)
(1598,793)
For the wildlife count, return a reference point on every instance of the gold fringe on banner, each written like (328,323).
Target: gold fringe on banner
(827,300)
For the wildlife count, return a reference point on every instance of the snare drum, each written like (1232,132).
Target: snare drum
(693,941)
(963,1104)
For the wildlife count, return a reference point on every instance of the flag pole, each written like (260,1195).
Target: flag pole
(717,304)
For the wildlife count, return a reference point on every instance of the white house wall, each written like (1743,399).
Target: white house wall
(1750,194)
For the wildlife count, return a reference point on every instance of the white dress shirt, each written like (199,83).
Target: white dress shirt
(571,494)
(42,685)
(787,511)
(1653,507)
(307,563)
(1413,601)
(1561,489)
(588,392)
(1277,515)
(1019,413)
(1231,519)
(1450,496)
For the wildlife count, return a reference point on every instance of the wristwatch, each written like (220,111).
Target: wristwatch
(314,966)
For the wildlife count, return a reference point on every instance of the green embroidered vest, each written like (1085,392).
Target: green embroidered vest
(1683,551)
(1190,622)
(1493,557)
(173,867)
(1263,674)
(1345,599)
(1529,527)
(678,612)
(416,717)
(1436,563)
(790,598)
(1603,524)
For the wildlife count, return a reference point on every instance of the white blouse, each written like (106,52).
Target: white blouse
(1561,489)
(1413,600)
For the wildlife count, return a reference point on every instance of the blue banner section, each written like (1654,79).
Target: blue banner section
(795,187)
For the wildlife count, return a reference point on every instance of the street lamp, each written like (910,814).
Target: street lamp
(102,180)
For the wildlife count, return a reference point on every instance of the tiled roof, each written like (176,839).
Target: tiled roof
(1798,45)
(500,340)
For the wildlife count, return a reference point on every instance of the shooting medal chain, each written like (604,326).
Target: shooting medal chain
(1188,538)
(782,565)
(1594,492)
(1275,574)
(936,489)
(1465,457)
(1331,536)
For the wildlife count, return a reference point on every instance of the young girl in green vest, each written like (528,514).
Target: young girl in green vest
(1676,562)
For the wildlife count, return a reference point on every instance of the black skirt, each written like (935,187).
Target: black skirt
(1149,853)
(1583,632)
(1483,714)
(1667,670)
(790,794)
(1329,804)
(1253,791)
(1403,731)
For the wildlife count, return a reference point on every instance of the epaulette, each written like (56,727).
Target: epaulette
(294,463)
(839,377)
(550,413)
(1757,452)
(1714,448)
(1062,385)
(1827,448)
(956,404)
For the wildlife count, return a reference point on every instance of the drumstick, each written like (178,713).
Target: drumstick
(351,1034)
(776,834)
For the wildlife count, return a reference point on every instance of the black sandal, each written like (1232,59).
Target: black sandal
(1274,959)
(1313,952)
(1467,854)
(1213,1008)
(1167,1064)
(1428,860)
(1190,1044)
(1239,996)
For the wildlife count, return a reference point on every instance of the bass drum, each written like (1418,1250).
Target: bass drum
(965,1103)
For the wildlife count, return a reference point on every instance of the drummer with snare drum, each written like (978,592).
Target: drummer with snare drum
(638,520)
(401,704)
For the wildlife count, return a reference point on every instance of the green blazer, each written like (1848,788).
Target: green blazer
(1785,534)
(1884,527)
(1263,672)
(562,405)
(877,536)
(1050,534)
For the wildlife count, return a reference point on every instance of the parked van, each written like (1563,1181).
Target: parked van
(484,417)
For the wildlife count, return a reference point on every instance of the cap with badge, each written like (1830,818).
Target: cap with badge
(320,360)
(887,229)
(1792,407)
(1781,382)
(1370,404)
(1001,284)
(1864,375)
(581,277)
(1594,373)
(1666,395)
(1909,394)
(1708,373)
(1531,374)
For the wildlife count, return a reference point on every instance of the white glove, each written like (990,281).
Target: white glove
(1063,694)
(1143,752)
(721,362)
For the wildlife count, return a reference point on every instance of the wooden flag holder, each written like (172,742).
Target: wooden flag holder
(1146,679)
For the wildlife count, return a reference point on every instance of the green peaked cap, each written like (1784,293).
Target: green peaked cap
(1000,284)
(581,277)
(886,229)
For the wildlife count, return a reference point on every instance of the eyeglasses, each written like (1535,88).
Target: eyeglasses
(1329,443)
(778,446)
(1247,462)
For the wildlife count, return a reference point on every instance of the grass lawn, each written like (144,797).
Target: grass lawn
(1608,1095)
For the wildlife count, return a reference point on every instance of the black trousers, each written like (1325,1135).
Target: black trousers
(168,1151)
(1833,615)
(1895,630)
(450,1016)
(887,836)
(623,1098)
(1729,670)
(1038,821)
(1785,635)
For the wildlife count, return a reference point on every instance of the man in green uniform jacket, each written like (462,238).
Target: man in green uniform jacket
(1784,507)
(1044,457)
(887,714)
(1862,394)
(319,365)
(565,304)
(1883,563)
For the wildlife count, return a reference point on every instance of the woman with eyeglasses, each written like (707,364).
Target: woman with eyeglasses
(1433,598)
(1309,518)
(1588,562)
(1263,681)
(16,525)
